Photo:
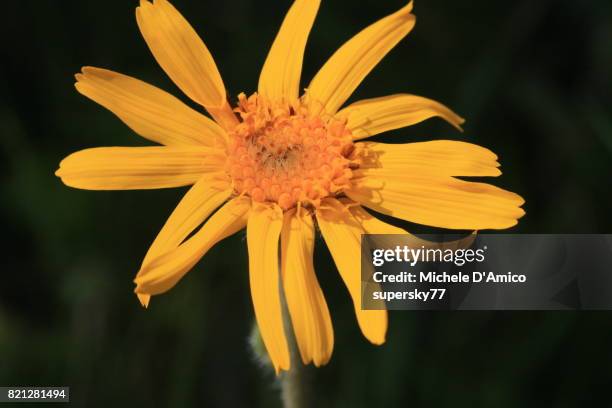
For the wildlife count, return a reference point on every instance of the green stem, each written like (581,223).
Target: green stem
(295,382)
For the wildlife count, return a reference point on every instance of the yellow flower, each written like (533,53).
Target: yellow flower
(279,164)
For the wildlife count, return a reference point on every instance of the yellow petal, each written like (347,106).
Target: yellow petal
(307,307)
(444,202)
(370,117)
(436,158)
(263,230)
(144,299)
(280,75)
(149,111)
(195,207)
(391,236)
(345,70)
(182,54)
(342,234)
(161,273)
(128,168)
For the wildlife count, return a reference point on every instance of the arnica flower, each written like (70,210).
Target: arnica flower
(282,165)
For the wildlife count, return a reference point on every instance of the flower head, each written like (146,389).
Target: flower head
(281,164)
(287,155)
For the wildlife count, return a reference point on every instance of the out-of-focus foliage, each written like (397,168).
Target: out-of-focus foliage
(532,78)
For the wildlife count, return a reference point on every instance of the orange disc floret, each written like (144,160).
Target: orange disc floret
(287,155)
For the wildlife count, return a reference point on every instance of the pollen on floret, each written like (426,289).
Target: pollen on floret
(287,154)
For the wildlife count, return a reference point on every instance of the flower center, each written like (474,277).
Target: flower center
(287,155)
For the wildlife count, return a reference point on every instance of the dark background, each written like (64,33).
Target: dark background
(533,80)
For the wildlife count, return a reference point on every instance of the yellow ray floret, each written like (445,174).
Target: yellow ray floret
(263,231)
(342,234)
(164,271)
(128,168)
(149,111)
(370,117)
(344,71)
(280,76)
(306,303)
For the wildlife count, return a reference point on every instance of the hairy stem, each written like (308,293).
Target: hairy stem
(295,382)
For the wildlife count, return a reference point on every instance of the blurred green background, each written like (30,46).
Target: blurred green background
(533,80)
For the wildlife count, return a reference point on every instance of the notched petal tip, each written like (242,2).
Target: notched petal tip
(516,214)
(83,76)
(143,298)
(89,74)
(62,170)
